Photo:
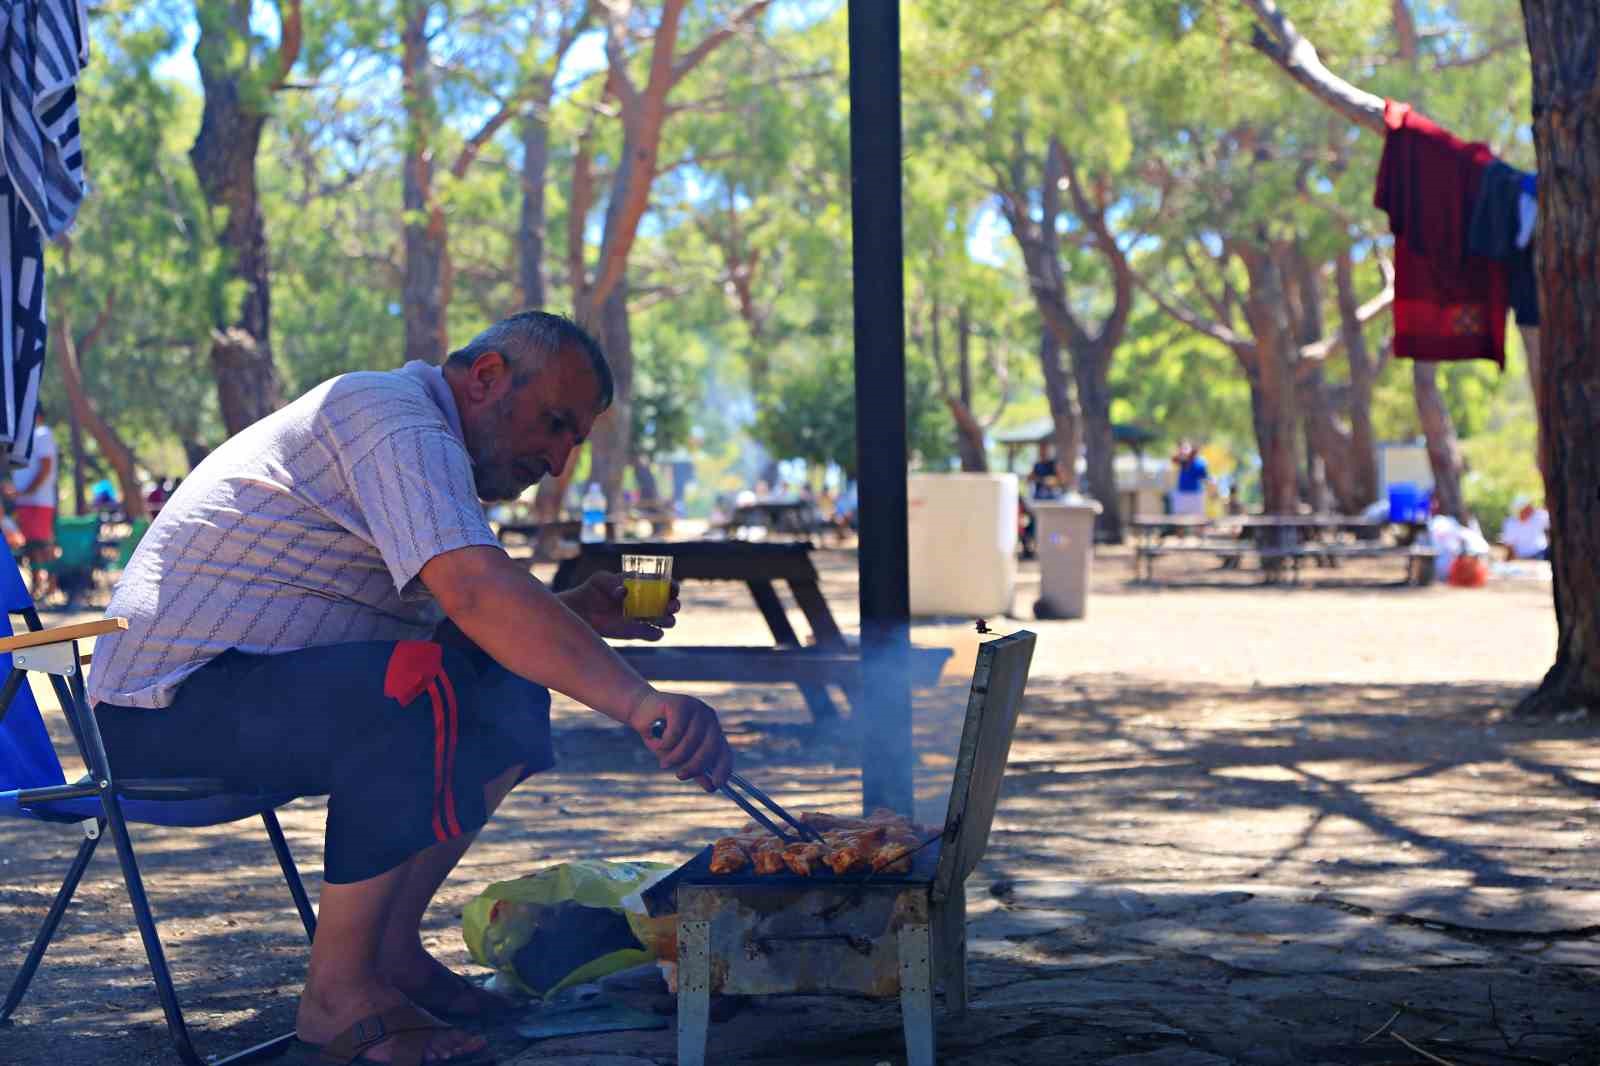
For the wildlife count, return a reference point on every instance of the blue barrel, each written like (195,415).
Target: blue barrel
(1405,499)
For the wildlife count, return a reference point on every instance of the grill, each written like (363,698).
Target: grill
(881,935)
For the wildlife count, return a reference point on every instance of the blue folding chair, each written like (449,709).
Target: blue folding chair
(32,785)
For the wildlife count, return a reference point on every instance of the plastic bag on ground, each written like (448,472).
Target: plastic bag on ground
(567,924)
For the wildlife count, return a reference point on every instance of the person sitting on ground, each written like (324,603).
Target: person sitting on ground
(1189,495)
(1525,534)
(322,608)
(33,505)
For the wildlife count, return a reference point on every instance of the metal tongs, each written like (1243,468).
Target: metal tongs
(658,729)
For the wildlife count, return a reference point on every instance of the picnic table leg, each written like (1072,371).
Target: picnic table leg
(766,597)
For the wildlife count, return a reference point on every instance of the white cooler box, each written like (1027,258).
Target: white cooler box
(962,532)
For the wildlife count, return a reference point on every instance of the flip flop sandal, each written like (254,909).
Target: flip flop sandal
(408,1029)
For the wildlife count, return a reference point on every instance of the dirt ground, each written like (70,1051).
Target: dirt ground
(1241,824)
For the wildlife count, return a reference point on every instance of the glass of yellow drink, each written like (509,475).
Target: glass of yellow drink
(648,579)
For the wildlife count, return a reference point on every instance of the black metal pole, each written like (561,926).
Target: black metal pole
(877,261)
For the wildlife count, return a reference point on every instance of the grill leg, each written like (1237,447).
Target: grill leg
(694,992)
(951,927)
(69,885)
(916,994)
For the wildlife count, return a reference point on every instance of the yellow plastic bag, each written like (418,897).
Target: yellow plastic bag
(568,924)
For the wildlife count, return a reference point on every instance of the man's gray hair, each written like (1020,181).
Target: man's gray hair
(528,339)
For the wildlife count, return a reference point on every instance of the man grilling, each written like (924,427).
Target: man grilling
(322,608)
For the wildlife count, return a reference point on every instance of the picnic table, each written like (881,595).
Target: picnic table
(830,659)
(795,516)
(1277,541)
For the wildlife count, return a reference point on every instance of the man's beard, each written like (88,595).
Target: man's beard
(495,472)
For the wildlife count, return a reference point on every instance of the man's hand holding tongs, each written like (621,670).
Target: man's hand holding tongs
(685,736)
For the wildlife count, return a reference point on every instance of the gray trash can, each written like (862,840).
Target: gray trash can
(1066,549)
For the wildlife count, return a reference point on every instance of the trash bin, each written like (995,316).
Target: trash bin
(1066,548)
(962,536)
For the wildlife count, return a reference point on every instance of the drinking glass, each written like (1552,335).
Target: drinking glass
(648,579)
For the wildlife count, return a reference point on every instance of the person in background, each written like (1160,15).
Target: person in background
(1525,534)
(1189,496)
(33,504)
(103,496)
(1045,477)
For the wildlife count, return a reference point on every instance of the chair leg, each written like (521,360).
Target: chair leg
(291,873)
(69,885)
(147,932)
(694,992)
(916,995)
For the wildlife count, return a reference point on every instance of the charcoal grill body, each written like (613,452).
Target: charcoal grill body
(899,937)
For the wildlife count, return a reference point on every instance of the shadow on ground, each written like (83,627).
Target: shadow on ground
(1179,874)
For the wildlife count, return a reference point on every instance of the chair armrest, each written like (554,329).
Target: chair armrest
(62,634)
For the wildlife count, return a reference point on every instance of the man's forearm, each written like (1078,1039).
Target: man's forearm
(531,632)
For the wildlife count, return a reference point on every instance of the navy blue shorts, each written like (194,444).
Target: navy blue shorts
(400,736)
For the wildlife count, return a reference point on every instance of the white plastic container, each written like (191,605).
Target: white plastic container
(962,533)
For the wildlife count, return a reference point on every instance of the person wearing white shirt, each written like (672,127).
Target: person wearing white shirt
(1526,531)
(33,504)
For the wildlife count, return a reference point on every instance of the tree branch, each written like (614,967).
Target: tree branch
(1284,45)
(289,42)
(475,144)
(578,206)
(698,53)
(1199,323)
(619,82)
(88,341)
(1350,317)
(1093,217)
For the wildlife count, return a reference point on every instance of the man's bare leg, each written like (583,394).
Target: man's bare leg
(344,984)
(402,959)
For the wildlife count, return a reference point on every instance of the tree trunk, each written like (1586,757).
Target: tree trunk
(80,494)
(611,441)
(1272,378)
(426,292)
(645,477)
(1562,37)
(958,394)
(1272,384)
(974,448)
(1444,451)
(224,161)
(530,229)
(1363,453)
(1092,368)
(1064,410)
(111,445)
(1334,449)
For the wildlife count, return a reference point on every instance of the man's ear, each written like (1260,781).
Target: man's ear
(489,377)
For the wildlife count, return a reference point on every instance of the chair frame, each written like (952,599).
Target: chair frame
(55,652)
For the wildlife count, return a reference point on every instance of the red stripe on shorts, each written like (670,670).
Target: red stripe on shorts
(440,743)
(453,716)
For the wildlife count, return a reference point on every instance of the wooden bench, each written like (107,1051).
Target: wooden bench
(1419,560)
(565,529)
(830,658)
(805,666)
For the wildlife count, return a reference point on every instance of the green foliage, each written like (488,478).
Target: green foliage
(740,281)
(810,414)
